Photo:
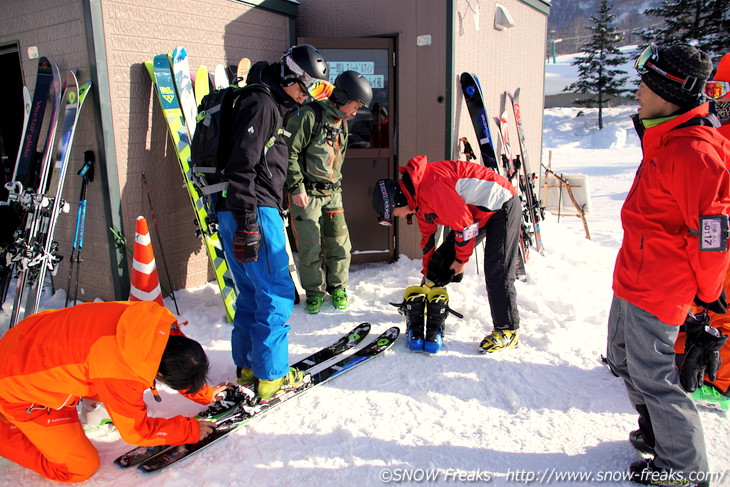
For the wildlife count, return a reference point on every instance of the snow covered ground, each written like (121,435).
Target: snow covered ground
(535,414)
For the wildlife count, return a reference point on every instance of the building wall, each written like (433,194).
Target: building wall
(212,32)
(504,60)
(57,30)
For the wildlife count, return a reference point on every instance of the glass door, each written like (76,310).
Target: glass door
(371,146)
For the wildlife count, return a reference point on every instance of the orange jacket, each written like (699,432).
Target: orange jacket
(718,321)
(110,350)
(682,176)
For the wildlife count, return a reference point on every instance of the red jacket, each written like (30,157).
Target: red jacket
(108,350)
(682,176)
(456,194)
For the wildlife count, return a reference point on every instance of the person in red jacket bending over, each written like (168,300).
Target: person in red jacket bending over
(112,352)
(475,202)
(674,252)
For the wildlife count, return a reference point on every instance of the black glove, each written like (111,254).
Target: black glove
(246,243)
(718,306)
(701,354)
(439,267)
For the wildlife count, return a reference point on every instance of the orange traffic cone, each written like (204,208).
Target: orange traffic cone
(145,281)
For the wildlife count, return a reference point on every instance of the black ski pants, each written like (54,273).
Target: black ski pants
(502,234)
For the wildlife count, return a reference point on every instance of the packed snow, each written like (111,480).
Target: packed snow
(539,413)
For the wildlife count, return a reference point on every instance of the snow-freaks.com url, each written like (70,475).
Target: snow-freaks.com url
(547,476)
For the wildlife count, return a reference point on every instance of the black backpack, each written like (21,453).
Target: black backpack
(211,144)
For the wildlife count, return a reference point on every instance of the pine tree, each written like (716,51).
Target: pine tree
(702,23)
(598,74)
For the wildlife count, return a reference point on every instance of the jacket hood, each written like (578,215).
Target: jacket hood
(411,177)
(140,347)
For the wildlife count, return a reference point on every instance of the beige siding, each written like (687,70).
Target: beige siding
(213,32)
(503,60)
(58,33)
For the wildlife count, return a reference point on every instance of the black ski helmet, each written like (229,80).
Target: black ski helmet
(303,63)
(351,85)
(386,196)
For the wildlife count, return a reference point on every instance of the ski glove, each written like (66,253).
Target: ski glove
(701,353)
(246,243)
(718,306)
(439,270)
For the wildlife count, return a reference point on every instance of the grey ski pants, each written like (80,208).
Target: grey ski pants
(641,350)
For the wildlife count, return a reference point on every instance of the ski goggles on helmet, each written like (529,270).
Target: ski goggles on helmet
(321,89)
(318,89)
(718,90)
(647,61)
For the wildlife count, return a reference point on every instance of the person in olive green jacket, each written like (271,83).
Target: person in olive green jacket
(317,140)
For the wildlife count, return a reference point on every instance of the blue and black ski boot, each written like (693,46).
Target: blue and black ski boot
(436,311)
(414,308)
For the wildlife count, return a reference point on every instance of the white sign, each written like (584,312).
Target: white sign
(362,67)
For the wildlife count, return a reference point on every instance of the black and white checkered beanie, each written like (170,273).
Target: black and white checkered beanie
(684,61)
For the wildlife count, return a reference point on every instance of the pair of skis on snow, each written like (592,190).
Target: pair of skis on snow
(516,169)
(36,186)
(240,407)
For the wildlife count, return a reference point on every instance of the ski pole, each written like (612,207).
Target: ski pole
(121,241)
(87,175)
(159,241)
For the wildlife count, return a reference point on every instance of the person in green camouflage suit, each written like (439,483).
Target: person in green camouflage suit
(317,140)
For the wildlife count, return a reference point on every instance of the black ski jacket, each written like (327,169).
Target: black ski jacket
(256,168)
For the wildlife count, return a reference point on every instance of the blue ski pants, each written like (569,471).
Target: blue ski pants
(265,300)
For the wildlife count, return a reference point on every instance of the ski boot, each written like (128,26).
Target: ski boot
(267,390)
(413,308)
(709,397)
(500,340)
(339,299)
(645,472)
(636,438)
(245,377)
(436,311)
(314,304)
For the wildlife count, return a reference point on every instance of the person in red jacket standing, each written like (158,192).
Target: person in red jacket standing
(476,203)
(112,352)
(674,252)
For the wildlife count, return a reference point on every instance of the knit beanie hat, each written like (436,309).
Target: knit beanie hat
(682,61)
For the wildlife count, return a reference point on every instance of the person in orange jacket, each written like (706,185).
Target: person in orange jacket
(714,390)
(111,352)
